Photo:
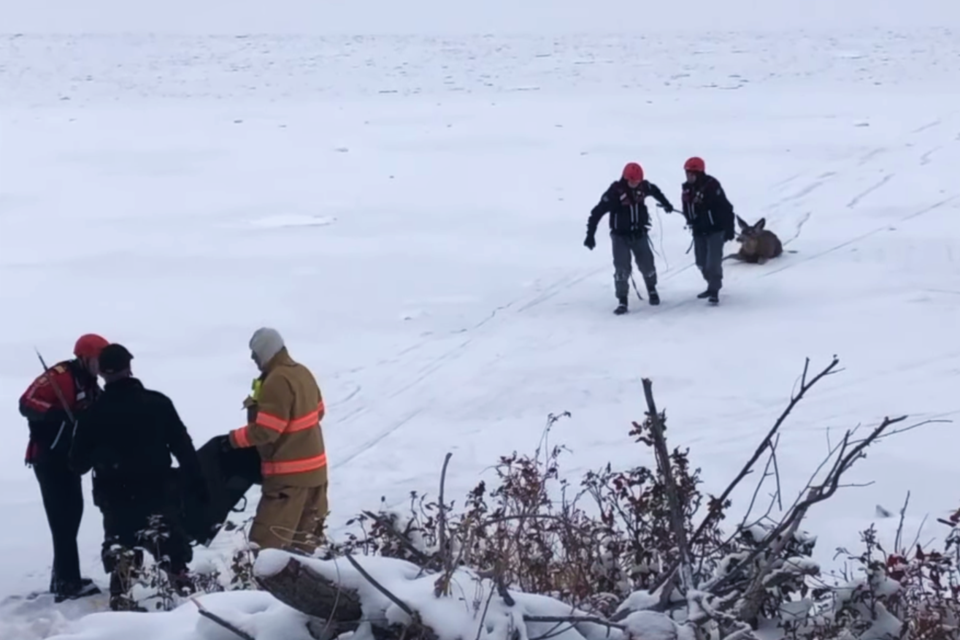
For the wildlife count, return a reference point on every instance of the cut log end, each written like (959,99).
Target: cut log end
(300,587)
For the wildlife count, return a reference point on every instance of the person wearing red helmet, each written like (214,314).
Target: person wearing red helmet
(710,217)
(624,200)
(51,404)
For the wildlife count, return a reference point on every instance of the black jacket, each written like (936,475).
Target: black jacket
(706,208)
(127,437)
(627,209)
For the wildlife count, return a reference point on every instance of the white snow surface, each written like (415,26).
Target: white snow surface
(639,17)
(409,210)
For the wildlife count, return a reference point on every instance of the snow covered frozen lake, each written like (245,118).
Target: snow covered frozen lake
(409,212)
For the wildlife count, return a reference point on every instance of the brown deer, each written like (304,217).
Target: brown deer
(757,245)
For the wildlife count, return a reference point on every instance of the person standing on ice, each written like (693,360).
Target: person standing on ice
(50,404)
(629,231)
(710,216)
(283,423)
(127,437)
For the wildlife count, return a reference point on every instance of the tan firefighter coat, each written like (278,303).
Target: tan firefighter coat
(284,426)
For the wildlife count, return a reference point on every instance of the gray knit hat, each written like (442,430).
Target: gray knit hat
(265,344)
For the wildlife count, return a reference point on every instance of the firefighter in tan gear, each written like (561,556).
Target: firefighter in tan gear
(283,423)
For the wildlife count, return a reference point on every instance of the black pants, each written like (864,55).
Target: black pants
(63,501)
(638,247)
(133,525)
(708,251)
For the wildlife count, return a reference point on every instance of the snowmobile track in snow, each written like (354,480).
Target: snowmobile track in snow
(864,236)
(860,196)
(522,304)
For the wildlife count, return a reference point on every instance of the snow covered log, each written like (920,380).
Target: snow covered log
(300,587)
(392,598)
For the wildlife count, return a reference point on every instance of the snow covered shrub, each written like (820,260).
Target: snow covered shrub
(640,553)
(907,594)
(145,584)
(589,545)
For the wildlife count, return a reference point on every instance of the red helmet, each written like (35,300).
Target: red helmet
(695,164)
(89,345)
(633,172)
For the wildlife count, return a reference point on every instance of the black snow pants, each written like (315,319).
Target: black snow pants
(62,495)
(708,251)
(136,523)
(626,247)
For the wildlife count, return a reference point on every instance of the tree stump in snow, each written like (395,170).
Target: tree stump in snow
(336,608)
(298,586)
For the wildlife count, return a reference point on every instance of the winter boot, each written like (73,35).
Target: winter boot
(654,297)
(75,590)
(714,298)
(622,307)
(704,295)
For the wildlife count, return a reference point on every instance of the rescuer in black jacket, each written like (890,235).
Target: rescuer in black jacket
(126,438)
(624,201)
(710,216)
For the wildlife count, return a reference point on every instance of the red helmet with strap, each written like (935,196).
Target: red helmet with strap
(89,345)
(633,172)
(695,164)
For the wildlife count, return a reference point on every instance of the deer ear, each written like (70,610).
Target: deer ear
(743,225)
(760,223)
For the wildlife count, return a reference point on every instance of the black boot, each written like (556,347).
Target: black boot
(76,590)
(714,298)
(622,307)
(654,297)
(705,294)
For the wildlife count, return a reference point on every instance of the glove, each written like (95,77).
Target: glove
(668,208)
(590,242)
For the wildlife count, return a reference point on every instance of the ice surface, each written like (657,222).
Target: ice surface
(177,192)
(464,16)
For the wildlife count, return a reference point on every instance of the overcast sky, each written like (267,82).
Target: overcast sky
(462,16)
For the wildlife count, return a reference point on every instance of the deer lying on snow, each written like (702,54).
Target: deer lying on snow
(757,245)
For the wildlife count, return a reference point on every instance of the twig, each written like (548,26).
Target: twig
(716,504)
(777,540)
(897,432)
(363,572)
(673,497)
(576,620)
(486,606)
(446,553)
(422,558)
(497,578)
(766,442)
(756,492)
(916,540)
(206,613)
(776,471)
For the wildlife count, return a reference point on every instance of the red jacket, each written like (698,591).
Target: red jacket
(50,427)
